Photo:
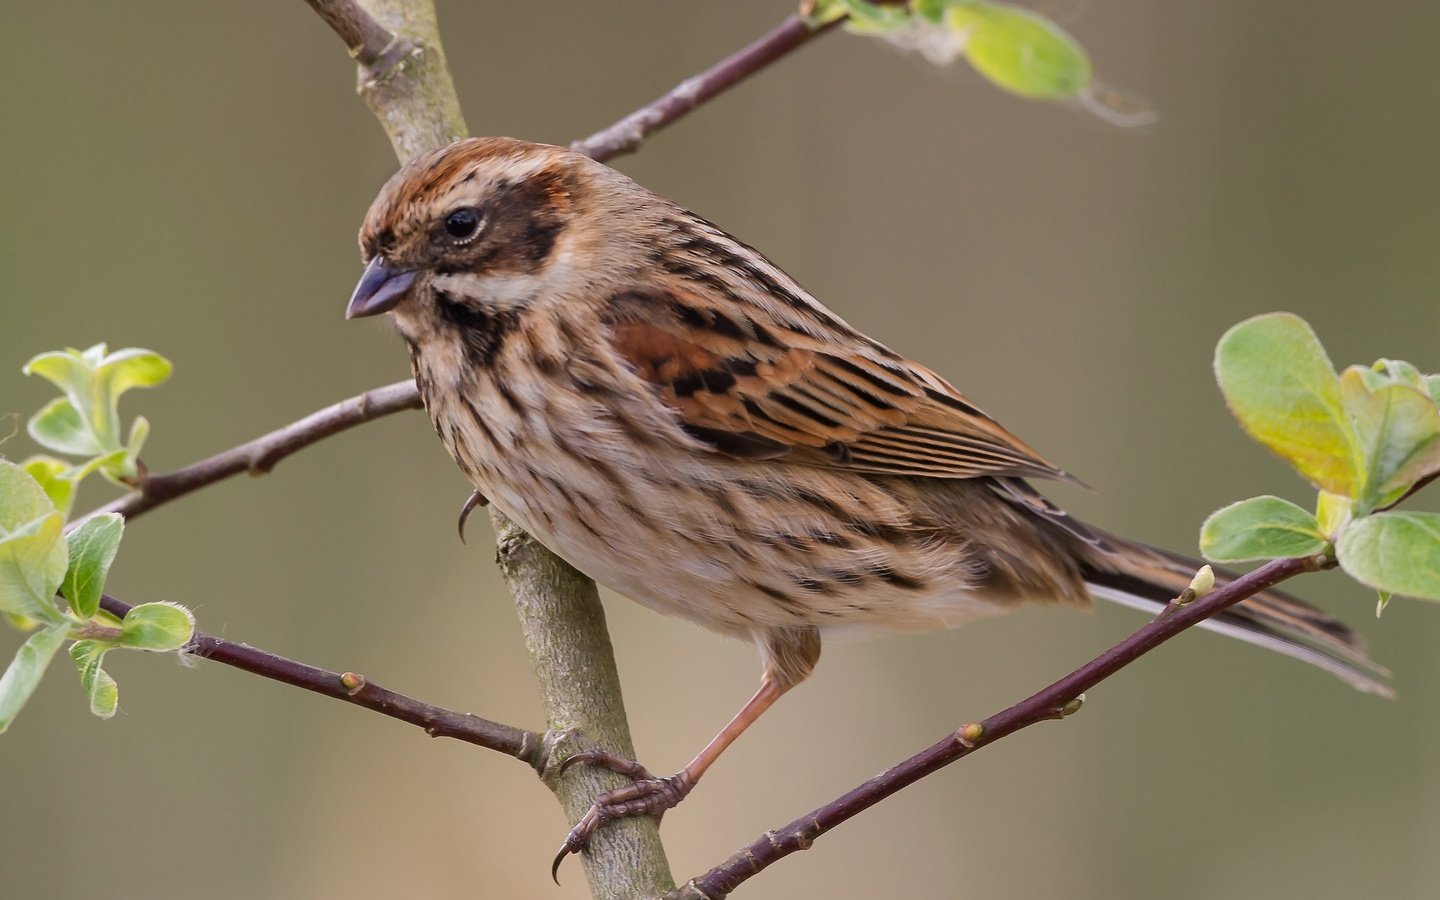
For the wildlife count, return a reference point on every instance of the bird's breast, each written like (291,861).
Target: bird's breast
(737,546)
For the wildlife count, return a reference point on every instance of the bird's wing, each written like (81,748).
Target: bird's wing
(761,378)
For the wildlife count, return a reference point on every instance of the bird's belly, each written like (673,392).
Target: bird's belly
(742,550)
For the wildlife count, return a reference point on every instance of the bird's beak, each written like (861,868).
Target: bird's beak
(379,290)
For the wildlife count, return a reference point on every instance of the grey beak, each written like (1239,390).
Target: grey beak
(379,290)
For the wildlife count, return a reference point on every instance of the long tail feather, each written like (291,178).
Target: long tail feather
(1145,578)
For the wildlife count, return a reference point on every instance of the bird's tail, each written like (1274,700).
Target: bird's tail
(1145,578)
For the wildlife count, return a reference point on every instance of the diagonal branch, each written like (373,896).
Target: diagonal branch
(626,135)
(1054,702)
(526,746)
(260,455)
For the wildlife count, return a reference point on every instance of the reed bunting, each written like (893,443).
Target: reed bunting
(666,409)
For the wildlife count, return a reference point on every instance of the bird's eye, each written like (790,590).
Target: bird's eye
(463,224)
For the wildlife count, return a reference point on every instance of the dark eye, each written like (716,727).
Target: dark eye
(463,224)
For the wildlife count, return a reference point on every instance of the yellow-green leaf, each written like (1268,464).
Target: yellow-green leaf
(55,478)
(59,427)
(100,688)
(1020,50)
(1281,386)
(1333,512)
(22,499)
(1397,434)
(25,670)
(157,626)
(92,550)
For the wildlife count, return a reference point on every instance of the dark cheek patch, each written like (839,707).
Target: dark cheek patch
(483,332)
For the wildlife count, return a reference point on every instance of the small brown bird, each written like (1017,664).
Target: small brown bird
(662,406)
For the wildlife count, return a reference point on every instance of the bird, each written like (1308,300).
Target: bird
(667,410)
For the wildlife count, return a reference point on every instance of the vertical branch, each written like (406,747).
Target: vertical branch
(413,96)
(415,101)
(569,646)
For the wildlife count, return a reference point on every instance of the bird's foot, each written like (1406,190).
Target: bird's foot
(646,795)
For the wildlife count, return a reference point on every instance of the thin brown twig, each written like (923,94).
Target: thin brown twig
(526,746)
(260,455)
(626,135)
(1053,702)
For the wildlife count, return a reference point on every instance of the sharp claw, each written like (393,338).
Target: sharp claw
(570,761)
(575,841)
(559,858)
(475,499)
(617,764)
(645,795)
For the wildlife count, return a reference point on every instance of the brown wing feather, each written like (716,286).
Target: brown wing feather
(748,382)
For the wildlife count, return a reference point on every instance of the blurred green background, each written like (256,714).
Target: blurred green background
(189,177)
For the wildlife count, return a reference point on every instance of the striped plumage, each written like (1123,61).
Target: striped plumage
(665,408)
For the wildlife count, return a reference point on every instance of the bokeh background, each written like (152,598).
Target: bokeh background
(189,178)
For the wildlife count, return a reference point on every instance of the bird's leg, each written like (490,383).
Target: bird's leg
(790,655)
(648,795)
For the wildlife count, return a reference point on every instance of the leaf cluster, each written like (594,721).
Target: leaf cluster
(51,576)
(85,422)
(1364,438)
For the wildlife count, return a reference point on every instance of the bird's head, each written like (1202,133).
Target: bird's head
(480,226)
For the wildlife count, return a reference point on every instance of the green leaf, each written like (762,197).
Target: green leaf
(1399,371)
(107,465)
(100,688)
(93,381)
(22,499)
(59,427)
(874,18)
(1382,601)
(1397,433)
(932,11)
(139,432)
(1260,528)
(1280,385)
(1432,383)
(32,554)
(132,368)
(55,479)
(73,372)
(1396,552)
(1020,50)
(68,369)
(32,563)
(25,670)
(157,626)
(92,550)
